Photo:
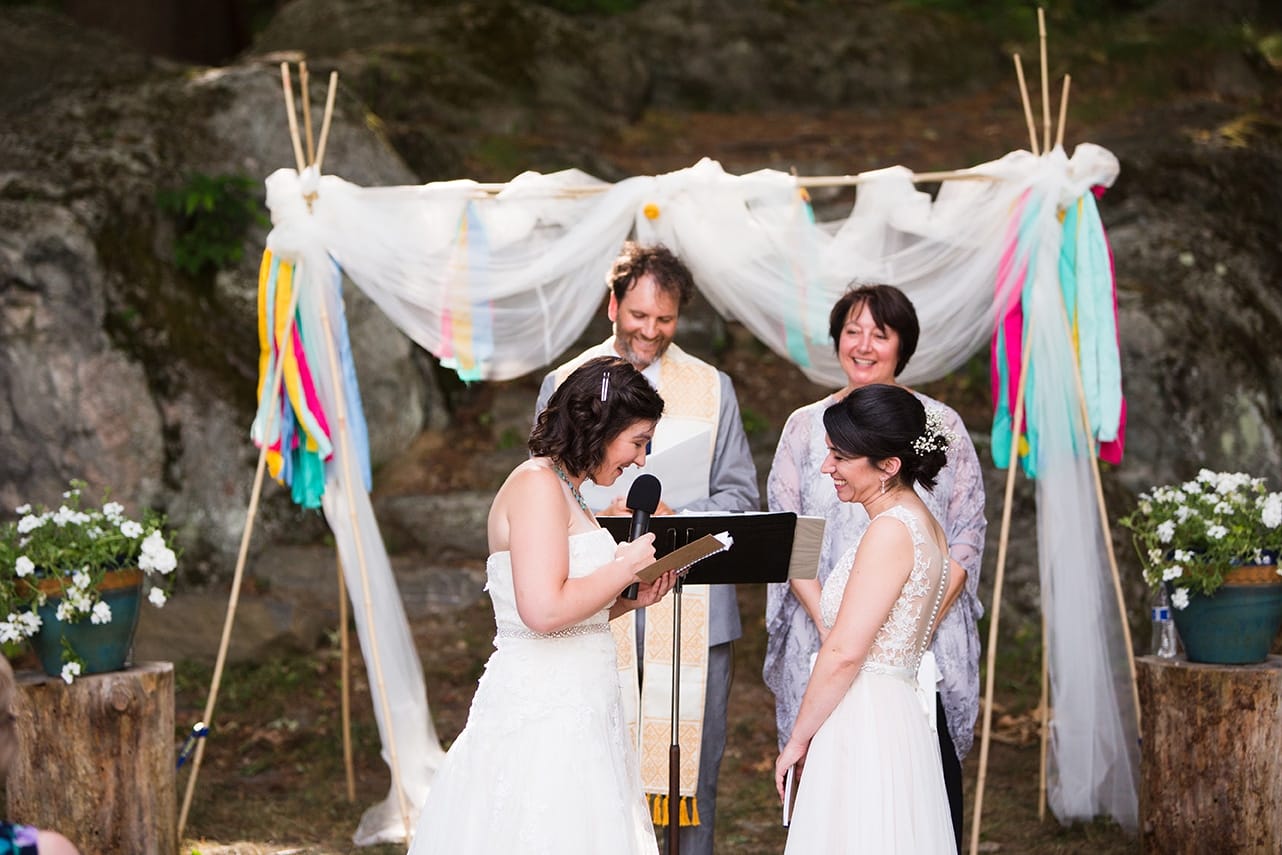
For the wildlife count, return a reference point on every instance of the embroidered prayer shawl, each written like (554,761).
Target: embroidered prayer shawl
(691,391)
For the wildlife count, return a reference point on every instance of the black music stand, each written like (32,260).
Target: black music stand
(762,552)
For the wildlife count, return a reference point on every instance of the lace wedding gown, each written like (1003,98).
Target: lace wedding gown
(872,780)
(544,764)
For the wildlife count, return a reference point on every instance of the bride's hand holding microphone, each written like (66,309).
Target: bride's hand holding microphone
(636,555)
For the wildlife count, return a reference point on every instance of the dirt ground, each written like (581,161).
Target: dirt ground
(273,775)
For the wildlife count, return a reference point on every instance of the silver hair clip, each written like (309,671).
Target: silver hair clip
(605,384)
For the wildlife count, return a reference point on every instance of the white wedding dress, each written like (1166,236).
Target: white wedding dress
(871,782)
(544,764)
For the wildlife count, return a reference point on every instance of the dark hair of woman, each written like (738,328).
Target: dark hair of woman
(881,421)
(889,306)
(596,403)
(636,260)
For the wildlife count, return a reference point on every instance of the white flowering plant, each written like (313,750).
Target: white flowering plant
(67,552)
(1189,535)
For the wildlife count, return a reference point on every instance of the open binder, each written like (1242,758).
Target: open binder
(768,547)
(683,559)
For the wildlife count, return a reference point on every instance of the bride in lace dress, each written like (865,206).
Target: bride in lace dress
(544,764)
(867,756)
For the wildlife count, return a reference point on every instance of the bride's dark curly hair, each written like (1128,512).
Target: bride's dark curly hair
(880,421)
(577,424)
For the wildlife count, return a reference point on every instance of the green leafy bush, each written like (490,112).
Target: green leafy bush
(214,213)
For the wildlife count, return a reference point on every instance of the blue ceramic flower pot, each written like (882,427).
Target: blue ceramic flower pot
(1235,626)
(103,647)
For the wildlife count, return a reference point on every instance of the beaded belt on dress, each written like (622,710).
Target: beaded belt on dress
(516,630)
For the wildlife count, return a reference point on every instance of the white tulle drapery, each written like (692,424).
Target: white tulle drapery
(497,286)
(395,672)
(1094,742)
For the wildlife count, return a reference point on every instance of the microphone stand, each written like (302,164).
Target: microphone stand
(674,752)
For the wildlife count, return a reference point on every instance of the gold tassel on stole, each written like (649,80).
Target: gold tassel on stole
(687,810)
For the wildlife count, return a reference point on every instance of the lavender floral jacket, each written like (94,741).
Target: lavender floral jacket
(796,484)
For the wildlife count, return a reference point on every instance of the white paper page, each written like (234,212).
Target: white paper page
(679,459)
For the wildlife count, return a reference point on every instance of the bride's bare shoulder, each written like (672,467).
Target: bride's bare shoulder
(533,474)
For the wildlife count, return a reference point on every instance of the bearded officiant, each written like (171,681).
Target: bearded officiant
(700,456)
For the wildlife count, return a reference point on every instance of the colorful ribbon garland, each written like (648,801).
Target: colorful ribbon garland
(1089,291)
(299,442)
(467,328)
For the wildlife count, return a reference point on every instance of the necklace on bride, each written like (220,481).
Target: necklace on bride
(574,491)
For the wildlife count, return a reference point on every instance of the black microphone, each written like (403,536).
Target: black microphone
(643,500)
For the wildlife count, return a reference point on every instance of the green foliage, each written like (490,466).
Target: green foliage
(1062,9)
(214,214)
(1017,19)
(753,422)
(1269,46)
(500,156)
(596,7)
(510,438)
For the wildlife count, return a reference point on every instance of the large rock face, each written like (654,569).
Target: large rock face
(114,366)
(490,89)
(1199,257)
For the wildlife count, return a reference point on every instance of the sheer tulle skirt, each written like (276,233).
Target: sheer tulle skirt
(543,765)
(872,781)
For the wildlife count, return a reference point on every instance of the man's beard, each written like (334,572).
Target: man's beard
(623,346)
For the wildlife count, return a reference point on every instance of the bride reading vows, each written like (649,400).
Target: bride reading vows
(544,764)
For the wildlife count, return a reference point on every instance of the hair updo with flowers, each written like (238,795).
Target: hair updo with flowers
(882,421)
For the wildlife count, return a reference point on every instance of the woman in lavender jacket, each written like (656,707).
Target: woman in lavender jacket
(874,330)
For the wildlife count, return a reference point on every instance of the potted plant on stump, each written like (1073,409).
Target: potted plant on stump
(72,580)
(1213,542)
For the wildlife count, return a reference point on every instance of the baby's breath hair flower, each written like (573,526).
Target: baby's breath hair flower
(937,436)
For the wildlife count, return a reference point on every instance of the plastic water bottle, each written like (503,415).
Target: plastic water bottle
(1163,643)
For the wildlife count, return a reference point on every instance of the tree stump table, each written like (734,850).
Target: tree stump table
(96,759)
(1211,758)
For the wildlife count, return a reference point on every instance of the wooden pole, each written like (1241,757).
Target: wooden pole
(1044,714)
(1046,91)
(1028,107)
(345,672)
(917,178)
(996,609)
(329,114)
(484,190)
(1063,111)
(288,86)
(371,625)
(305,93)
(674,748)
(241,558)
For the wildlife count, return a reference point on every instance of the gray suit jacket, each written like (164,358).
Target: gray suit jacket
(732,487)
